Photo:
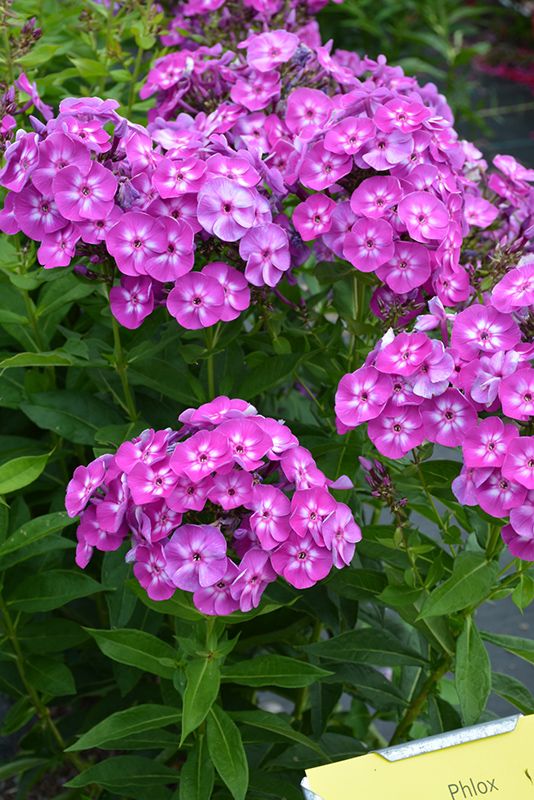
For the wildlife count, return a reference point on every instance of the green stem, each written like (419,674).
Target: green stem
(303,694)
(7,49)
(122,367)
(416,706)
(137,66)
(429,496)
(42,710)
(210,364)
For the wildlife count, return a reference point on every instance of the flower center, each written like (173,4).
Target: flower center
(197,301)
(397,428)
(302,555)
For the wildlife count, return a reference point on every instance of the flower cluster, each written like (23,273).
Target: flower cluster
(117,200)
(474,391)
(219,508)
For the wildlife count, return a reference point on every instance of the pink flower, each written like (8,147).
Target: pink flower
(339,222)
(432,377)
(57,249)
(189,495)
(397,430)
(369,244)
(322,168)
(21,160)
(203,453)
(85,196)
(522,519)
(299,467)
(349,135)
(150,446)
(176,256)
(313,217)
(309,508)
(362,395)
(216,600)
(302,561)
(375,196)
(487,444)
(148,484)
(94,231)
(519,461)
(235,287)
(83,484)
(230,489)
(497,495)
(269,50)
(150,569)
(226,209)
(132,301)
(482,328)
(448,418)
(257,90)
(255,573)
(400,115)
(519,546)
(340,534)
(424,215)
(55,153)
(247,442)
(516,393)
(196,301)
(280,435)
(90,532)
(235,169)
(196,557)
(408,269)
(465,486)
(515,290)
(163,520)
(270,520)
(307,111)
(482,376)
(135,239)
(265,248)
(173,178)
(385,150)
(479,212)
(405,354)
(36,214)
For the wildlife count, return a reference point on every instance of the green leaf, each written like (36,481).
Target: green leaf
(203,678)
(367,646)
(52,589)
(367,683)
(514,691)
(34,530)
(271,372)
(197,775)
(358,584)
(49,676)
(273,670)
(40,54)
(56,636)
(124,773)
(19,767)
(75,416)
(469,584)
(122,724)
(20,472)
(179,605)
(275,724)
(473,673)
(523,648)
(51,359)
(227,752)
(523,594)
(136,649)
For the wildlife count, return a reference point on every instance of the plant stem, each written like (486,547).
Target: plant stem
(416,706)
(43,712)
(210,364)
(429,496)
(122,367)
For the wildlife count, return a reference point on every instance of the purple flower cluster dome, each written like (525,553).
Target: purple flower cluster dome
(219,508)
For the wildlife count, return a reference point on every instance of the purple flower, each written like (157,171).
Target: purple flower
(340,534)
(515,290)
(37,215)
(203,453)
(405,354)
(135,239)
(448,418)
(196,557)
(302,561)
(408,269)
(270,520)
(481,329)
(397,430)
(516,393)
(307,111)
(176,256)
(369,244)
(235,287)
(362,395)
(265,248)
(150,569)
(375,196)
(216,600)
(424,215)
(486,444)
(84,483)
(349,135)
(255,573)
(173,178)
(21,160)
(519,461)
(196,301)
(313,217)
(132,301)
(321,168)
(269,50)
(85,196)
(226,209)
(55,153)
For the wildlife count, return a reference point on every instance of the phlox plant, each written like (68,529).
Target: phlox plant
(266,334)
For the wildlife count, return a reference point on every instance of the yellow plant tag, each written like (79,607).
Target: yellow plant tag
(495,760)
